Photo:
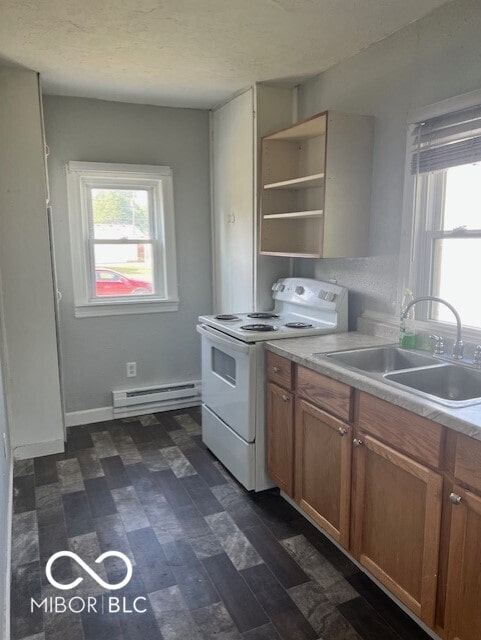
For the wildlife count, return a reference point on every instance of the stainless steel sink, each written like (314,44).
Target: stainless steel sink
(452,385)
(381,359)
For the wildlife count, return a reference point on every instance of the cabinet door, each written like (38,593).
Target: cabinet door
(463,602)
(323,469)
(397,523)
(280,437)
(232,130)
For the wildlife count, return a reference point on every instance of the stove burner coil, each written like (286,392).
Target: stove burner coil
(298,325)
(262,315)
(226,316)
(259,327)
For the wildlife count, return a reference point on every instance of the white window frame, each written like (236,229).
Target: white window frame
(412,264)
(83,176)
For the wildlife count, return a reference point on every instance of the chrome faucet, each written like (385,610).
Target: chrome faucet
(458,347)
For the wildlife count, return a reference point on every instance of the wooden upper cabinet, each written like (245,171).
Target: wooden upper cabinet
(315,190)
(280,437)
(397,518)
(463,601)
(323,469)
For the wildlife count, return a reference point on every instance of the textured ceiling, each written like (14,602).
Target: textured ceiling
(191,53)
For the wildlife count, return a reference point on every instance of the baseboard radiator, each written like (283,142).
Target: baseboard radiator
(135,402)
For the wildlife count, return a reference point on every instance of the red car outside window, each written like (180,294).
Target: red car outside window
(112,283)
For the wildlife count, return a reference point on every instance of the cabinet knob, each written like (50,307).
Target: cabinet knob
(454,498)
(341,431)
(357,443)
(276,369)
(285,398)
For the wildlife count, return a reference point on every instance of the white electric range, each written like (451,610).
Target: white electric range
(233,369)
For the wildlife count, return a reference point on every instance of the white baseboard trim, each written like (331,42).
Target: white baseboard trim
(102,414)
(38,449)
(76,418)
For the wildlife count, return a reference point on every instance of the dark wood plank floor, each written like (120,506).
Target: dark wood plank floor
(212,561)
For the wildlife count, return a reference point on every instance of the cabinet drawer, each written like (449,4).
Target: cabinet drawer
(279,370)
(467,461)
(402,429)
(325,392)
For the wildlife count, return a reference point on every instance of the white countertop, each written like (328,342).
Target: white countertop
(466,420)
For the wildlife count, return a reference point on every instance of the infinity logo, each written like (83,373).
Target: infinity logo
(95,576)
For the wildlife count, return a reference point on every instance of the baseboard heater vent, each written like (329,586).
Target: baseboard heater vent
(135,402)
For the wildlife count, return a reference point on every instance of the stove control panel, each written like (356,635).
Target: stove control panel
(310,293)
(329,296)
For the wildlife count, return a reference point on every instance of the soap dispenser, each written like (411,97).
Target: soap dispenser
(407,332)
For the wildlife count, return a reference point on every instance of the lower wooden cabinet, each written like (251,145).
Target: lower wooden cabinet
(397,519)
(463,593)
(280,437)
(323,469)
(374,487)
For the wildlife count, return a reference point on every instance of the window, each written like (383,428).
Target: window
(446,251)
(123,240)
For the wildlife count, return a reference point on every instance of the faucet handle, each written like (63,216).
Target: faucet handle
(477,355)
(438,345)
(458,350)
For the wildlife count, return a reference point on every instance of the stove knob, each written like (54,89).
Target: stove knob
(300,290)
(282,287)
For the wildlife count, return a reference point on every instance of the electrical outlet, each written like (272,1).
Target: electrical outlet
(131,369)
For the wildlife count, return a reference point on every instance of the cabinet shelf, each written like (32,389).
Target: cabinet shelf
(290,254)
(315,213)
(315,188)
(304,182)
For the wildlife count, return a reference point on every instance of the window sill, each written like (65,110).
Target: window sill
(121,308)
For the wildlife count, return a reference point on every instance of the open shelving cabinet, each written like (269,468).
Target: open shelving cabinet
(315,187)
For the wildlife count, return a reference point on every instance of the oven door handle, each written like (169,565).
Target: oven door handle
(215,336)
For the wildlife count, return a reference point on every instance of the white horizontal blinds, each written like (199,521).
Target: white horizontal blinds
(447,141)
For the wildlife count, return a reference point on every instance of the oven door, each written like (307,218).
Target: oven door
(229,380)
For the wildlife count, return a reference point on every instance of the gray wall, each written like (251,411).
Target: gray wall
(164,345)
(31,367)
(430,60)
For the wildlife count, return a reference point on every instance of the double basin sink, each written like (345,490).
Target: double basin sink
(453,385)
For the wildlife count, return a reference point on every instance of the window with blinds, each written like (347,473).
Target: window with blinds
(446,163)
(447,141)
